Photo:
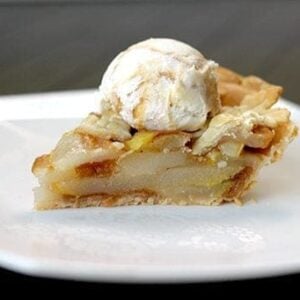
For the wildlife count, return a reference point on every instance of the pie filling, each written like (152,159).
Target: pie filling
(176,175)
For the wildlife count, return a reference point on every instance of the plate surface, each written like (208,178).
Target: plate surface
(145,244)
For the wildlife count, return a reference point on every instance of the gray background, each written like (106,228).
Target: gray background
(55,45)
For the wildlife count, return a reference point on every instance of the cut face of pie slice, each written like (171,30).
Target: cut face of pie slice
(104,162)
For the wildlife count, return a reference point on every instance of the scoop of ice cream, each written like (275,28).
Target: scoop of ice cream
(160,84)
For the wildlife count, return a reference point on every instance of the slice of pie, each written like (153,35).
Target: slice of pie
(110,161)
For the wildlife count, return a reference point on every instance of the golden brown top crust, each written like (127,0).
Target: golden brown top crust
(41,162)
(90,141)
(236,90)
(109,127)
(226,75)
(246,114)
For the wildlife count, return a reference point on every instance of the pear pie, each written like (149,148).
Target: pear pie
(184,153)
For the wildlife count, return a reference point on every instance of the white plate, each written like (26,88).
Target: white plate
(145,244)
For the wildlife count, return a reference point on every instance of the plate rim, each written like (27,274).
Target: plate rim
(76,270)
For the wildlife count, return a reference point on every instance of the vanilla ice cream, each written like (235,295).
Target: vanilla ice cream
(160,84)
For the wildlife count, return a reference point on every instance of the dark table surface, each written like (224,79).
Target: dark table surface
(284,283)
(58,45)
